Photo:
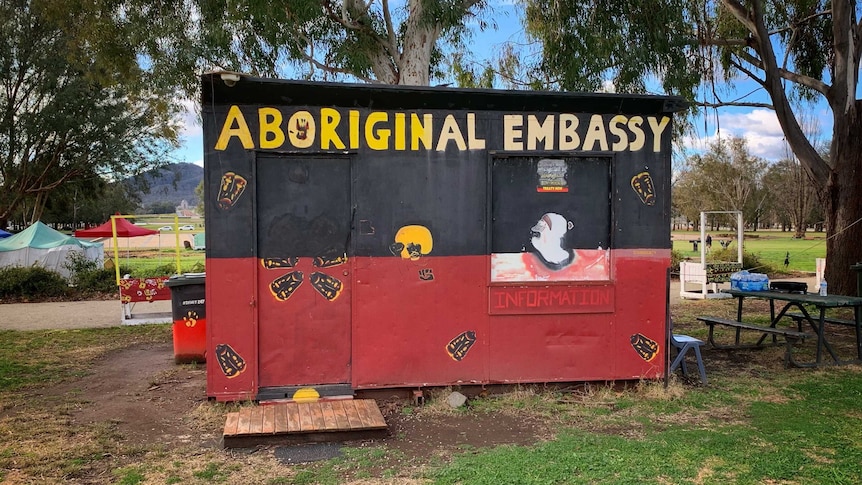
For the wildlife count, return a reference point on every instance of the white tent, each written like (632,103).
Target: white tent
(40,245)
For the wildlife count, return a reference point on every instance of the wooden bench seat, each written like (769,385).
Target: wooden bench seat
(790,336)
(799,318)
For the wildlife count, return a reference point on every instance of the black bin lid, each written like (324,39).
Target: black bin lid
(186,279)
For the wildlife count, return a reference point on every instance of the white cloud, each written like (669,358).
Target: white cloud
(189,120)
(759,127)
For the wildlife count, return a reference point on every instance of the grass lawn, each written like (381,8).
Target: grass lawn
(755,423)
(770,247)
(152,262)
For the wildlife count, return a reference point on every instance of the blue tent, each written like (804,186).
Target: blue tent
(4,234)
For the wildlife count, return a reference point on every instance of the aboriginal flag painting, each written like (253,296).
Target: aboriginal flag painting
(385,236)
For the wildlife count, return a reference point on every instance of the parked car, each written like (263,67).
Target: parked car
(187,227)
(166,228)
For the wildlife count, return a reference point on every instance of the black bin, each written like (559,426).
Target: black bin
(188,309)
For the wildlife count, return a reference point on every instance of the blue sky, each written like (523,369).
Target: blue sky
(757,125)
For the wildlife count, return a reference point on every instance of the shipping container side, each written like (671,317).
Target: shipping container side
(390,237)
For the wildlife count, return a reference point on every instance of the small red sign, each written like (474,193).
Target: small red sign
(518,300)
(553,189)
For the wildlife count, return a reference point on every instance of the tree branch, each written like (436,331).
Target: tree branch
(752,60)
(337,70)
(857,34)
(802,21)
(711,41)
(845,70)
(806,81)
(793,133)
(741,14)
(390,29)
(342,18)
(722,104)
(382,59)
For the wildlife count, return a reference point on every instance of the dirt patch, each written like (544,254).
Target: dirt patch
(147,399)
(420,438)
(142,394)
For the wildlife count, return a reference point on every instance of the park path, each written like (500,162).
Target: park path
(64,315)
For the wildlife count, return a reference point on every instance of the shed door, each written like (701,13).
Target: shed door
(303,234)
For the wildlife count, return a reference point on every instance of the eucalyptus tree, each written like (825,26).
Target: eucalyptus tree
(794,52)
(793,196)
(375,41)
(725,177)
(65,115)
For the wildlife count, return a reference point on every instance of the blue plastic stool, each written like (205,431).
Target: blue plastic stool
(684,343)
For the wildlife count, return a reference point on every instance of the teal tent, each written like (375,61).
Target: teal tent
(40,245)
(199,241)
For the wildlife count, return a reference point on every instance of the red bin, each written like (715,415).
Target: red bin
(188,309)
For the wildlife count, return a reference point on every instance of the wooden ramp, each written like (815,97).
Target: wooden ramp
(303,422)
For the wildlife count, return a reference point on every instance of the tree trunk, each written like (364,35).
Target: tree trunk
(417,44)
(843,203)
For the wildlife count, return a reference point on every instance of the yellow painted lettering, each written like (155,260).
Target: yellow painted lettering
(400,131)
(658,128)
(420,131)
(377,139)
(622,136)
(301,129)
(537,132)
(450,132)
(271,134)
(569,138)
(512,132)
(635,123)
(472,142)
(596,134)
(329,120)
(354,128)
(234,115)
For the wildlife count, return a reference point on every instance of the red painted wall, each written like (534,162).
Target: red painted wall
(406,331)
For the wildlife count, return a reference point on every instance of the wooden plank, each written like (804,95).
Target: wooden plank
(292,418)
(374,415)
(244,421)
(281,418)
(362,413)
(340,414)
(306,422)
(328,416)
(255,421)
(352,414)
(317,416)
(230,424)
(268,425)
(749,326)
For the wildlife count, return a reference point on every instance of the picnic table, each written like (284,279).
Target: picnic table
(802,316)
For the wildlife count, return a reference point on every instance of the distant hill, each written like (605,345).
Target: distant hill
(173,183)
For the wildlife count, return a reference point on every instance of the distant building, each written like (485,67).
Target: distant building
(184,210)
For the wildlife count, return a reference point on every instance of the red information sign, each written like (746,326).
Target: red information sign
(517,300)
